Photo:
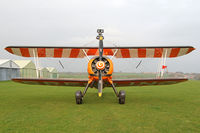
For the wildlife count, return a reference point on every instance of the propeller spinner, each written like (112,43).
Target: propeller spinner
(100,65)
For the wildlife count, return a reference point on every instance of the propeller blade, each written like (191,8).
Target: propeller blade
(100,38)
(100,84)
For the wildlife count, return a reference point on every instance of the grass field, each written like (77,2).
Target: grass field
(42,109)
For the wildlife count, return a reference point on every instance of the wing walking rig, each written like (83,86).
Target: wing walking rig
(100,67)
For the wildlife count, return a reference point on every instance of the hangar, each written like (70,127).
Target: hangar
(27,68)
(44,73)
(8,70)
(24,68)
(53,73)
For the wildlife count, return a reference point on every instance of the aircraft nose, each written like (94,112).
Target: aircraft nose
(100,65)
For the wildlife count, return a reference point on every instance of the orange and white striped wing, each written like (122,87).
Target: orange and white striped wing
(56,52)
(59,52)
(118,52)
(153,52)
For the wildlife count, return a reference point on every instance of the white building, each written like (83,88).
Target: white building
(27,68)
(8,70)
(53,73)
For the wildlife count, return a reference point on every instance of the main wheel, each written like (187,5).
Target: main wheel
(79,97)
(122,96)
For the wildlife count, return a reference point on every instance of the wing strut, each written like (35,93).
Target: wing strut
(114,53)
(88,59)
(162,63)
(36,62)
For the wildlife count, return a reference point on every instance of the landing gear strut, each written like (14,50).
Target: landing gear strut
(79,95)
(121,95)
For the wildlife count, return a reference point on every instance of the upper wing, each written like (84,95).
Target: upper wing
(118,52)
(146,82)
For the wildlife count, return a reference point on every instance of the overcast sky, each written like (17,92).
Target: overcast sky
(126,23)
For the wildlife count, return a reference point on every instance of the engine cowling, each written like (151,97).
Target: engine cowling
(105,65)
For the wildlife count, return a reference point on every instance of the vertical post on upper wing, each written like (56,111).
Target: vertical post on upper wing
(36,63)
(164,63)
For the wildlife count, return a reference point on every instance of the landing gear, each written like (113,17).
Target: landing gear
(122,96)
(79,97)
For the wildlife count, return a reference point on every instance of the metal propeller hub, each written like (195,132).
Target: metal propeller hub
(96,65)
(100,65)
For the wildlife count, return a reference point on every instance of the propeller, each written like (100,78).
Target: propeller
(100,64)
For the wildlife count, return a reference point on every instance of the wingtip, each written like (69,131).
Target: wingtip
(9,50)
(190,50)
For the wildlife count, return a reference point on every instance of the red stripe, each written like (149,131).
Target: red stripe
(25,52)
(41,52)
(74,53)
(107,52)
(158,52)
(190,50)
(58,52)
(142,52)
(174,52)
(125,53)
(92,52)
(9,50)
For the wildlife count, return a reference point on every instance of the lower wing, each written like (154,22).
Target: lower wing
(55,82)
(147,82)
(83,82)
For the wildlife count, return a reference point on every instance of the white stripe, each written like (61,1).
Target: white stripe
(81,54)
(183,51)
(168,51)
(16,51)
(66,53)
(31,52)
(49,52)
(150,52)
(133,53)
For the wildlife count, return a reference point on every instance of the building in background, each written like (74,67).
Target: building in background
(44,73)
(8,70)
(27,68)
(53,73)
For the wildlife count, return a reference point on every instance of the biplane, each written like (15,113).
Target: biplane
(100,66)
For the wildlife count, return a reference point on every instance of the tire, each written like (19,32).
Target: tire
(122,97)
(79,97)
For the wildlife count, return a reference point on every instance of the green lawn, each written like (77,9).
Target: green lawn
(42,109)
